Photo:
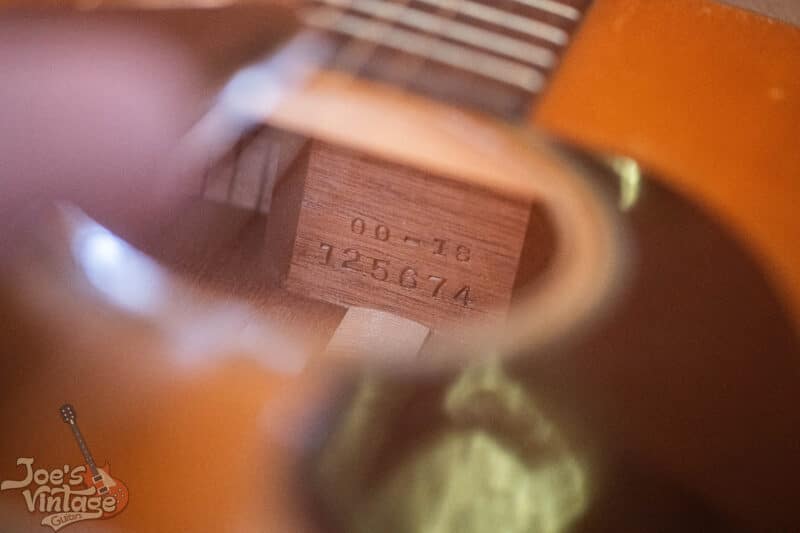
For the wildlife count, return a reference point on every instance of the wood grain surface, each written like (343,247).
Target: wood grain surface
(381,235)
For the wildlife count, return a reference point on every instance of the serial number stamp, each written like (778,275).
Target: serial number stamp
(391,238)
(405,276)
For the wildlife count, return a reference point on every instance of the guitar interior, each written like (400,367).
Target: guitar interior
(305,229)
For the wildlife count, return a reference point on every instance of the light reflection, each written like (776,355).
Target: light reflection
(495,462)
(121,274)
(199,329)
(470,482)
(630,180)
(255,90)
(247,100)
(220,330)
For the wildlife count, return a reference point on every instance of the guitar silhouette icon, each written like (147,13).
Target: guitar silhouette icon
(98,477)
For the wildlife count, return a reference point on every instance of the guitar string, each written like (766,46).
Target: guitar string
(491,15)
(444,26)
(359,48)
(357,52)
(402,70)
(415,64)
(471,9)
(475,61)
(549,6)
(357,29)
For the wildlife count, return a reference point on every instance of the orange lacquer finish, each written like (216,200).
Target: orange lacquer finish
(704,94)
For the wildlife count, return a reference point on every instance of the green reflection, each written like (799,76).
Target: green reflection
(471,455)
(630,180)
